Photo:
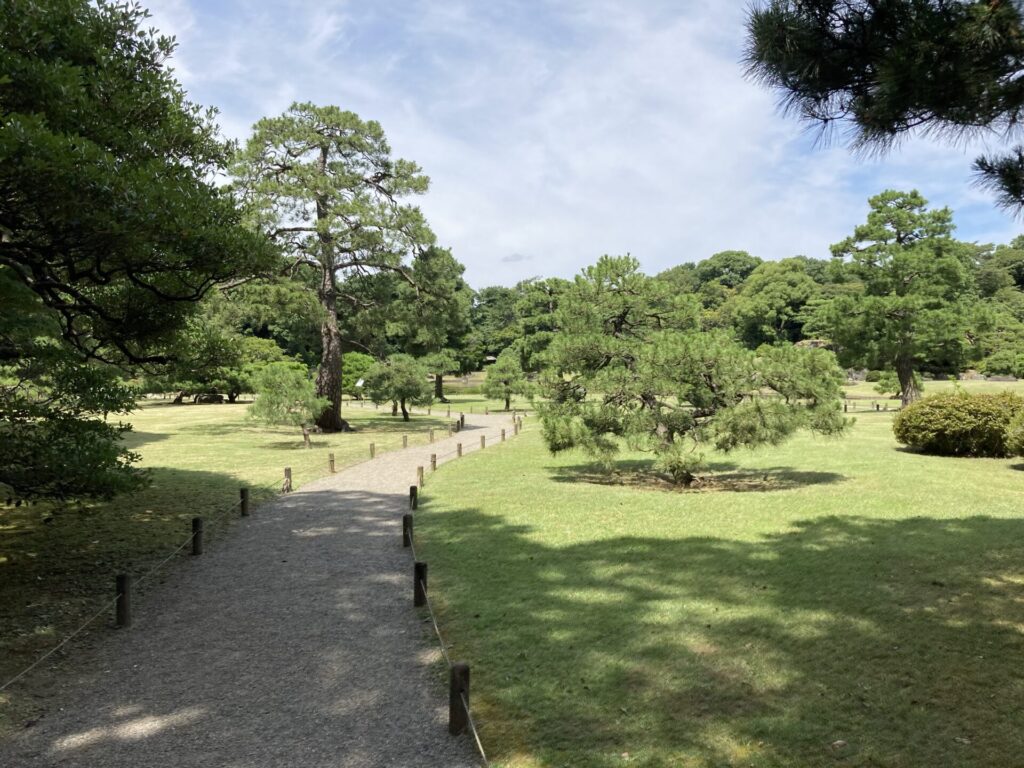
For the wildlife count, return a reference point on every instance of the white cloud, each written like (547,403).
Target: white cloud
(562,130)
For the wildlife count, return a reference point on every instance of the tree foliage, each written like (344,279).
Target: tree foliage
(630,362)
(321,183)
(506,379)
(913,282)
(400,379)
(881,70)
(286,396)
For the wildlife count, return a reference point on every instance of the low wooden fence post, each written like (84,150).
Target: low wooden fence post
(414,498)
(123,610)
(483,442)
(458,450)
(330,462)
(197,535)
(430,435)
(243,494)
(503,435)
(406,530)
(286,487)
(419,476)
(433,462)
(458,698)
(405,441)
(373,450)
(419,589)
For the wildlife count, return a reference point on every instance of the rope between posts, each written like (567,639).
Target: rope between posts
(472,727)
(448,661)
(103,609)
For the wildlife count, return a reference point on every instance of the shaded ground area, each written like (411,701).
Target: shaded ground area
(869,615)
(291,642)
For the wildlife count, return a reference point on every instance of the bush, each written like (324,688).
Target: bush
(958,424)
(1015,436)
(873,376)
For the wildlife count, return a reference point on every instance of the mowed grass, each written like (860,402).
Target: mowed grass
(825,603)
(57,566)
(865,390)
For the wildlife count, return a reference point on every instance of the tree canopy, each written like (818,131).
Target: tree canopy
(881,70)
(630,362)
(322,184)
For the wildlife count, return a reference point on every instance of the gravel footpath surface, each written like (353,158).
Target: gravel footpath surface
(291,642)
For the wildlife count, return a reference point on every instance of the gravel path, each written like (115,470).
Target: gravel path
(291,642)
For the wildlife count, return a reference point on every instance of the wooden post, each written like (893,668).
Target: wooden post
(462,420)
(419,476)
(458,698)
(430,435)
(449,429)
(123,611)
(458,450)
(433,462)
(487,411)
(846,407)
(330,462)
(197,535)
(405,441)
(287,485)
(448,414)
(414,497)
(878,407)
(483,442)
(419,587)
(373,450)
(503,435)
(406,530)
(243,493)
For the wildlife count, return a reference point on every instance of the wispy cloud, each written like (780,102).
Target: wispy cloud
(565,129)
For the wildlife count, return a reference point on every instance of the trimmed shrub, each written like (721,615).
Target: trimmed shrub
(873,376)
(1015,436)
(958,424)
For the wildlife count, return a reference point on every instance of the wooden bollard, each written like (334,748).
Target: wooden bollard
(123,609)
(407,530)
(433,462)
(449,429)
(330,462)
(430,435)
(458,698)
(503,435)
(448,414)
(373,450)
(405,441)
(414,497)
(878,407)
(487,411)
(243,494)
(197,535)
(458,450)
(419,476)
(483,442)
(286,487)
(462,420)
(419,588)
(846,407)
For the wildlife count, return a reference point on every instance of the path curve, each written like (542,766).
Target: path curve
(291,643)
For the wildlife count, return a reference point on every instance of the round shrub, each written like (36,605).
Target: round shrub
(873,376)
(1015,436)
(958,424)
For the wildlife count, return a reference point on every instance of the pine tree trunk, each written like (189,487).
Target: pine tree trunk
(394,407)
(508,402)
(405,411)
(328,376)
(908,386)
(439,388)
(305,436)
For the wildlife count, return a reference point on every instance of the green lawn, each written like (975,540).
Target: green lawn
(829,602)
(866,389)
(56,566)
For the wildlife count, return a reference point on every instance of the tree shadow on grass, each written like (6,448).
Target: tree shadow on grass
(723,476)
(842,641)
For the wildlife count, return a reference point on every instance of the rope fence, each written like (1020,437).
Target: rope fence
(460,714)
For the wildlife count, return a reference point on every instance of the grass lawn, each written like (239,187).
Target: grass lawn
(866,389)
(828,602)
(57,566)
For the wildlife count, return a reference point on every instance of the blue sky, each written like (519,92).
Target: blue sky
(556,131)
